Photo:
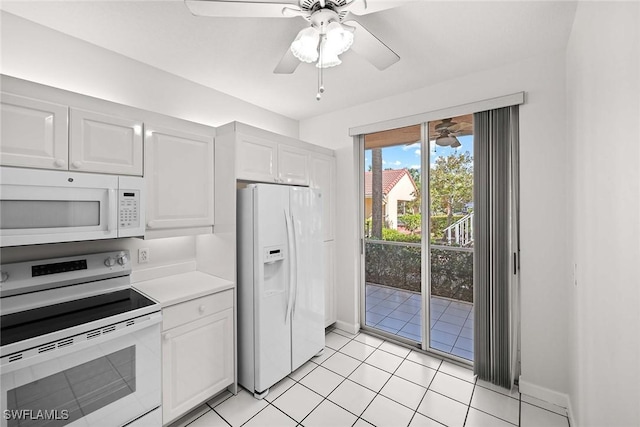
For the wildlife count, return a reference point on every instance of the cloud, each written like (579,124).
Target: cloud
(411,146)
(417,152)
(397,163)
(415,167)
(384,162)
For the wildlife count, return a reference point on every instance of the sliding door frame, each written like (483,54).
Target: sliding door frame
(425,209)
(358,133)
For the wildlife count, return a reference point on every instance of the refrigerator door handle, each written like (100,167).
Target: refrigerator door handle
(295,259)
(289,246)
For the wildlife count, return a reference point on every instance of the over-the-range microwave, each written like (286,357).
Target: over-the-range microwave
(46,206)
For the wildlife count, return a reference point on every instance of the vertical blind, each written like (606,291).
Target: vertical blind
(495,244)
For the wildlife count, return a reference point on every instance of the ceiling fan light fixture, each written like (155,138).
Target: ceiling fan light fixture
(446,140)
(339,39)
(328,57)
(305,46)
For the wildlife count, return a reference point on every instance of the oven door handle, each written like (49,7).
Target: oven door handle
(80,343)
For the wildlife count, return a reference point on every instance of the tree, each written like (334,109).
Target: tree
(416,203)
(376,193)
(451,184)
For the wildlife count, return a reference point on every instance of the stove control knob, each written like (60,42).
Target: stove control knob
(4,276)
(110,262)
(123,259)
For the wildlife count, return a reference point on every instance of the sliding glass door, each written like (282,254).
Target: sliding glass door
(451,236)
(392,243)
(417,188)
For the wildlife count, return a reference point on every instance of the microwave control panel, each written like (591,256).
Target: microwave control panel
(129,209)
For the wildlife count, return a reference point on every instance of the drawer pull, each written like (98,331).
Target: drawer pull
(201,309)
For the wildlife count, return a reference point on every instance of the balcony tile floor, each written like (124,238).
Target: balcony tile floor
(386,385)
(398,311)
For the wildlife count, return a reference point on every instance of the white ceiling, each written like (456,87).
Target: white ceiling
(436,41)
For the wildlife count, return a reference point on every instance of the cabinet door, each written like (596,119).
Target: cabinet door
(179,177)
(105,144)
(197,363)
(34,133)
(330,315)
(293,165)
(323,177)
(256,159)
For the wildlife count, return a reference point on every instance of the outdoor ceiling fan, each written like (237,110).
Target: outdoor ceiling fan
(333,28)
(447,131)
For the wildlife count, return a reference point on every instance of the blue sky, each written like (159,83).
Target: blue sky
(408,156)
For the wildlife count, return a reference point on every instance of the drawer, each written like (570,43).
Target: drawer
(195,309)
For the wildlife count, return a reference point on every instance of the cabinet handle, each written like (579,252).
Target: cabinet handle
(167,336)
(77,164)
(201,309)
(60,163)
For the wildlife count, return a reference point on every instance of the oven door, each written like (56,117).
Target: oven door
(108,376)
(39,206)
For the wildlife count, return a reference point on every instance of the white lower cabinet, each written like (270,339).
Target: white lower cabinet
(197,352)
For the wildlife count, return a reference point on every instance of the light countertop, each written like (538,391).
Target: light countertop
(182,287)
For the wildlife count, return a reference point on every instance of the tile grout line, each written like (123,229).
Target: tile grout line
(341,382)
(392,375)
(377,393)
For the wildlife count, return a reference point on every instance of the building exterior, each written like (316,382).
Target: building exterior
(397,187)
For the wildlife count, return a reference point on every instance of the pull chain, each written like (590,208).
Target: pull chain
(320,68)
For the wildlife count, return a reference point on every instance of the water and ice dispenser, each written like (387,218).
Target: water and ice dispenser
(275,274)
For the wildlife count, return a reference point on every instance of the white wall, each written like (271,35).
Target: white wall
(33,52)
(603,80)
(545,363)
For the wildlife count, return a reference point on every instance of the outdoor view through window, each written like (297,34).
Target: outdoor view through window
(394,234)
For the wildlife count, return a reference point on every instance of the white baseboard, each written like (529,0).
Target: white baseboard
(352,328)
(542,393)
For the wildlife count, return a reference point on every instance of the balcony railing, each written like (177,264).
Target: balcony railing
(398,265)
(460,232)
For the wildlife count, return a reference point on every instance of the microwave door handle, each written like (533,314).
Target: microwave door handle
(112,210)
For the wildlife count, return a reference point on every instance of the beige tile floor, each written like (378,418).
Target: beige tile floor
(364,381)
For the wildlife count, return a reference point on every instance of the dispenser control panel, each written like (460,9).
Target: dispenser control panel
(273,253)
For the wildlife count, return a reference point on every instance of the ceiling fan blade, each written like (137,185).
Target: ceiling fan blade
(372,48)
(461,127)
(287,64)
(240,8)
(362,7)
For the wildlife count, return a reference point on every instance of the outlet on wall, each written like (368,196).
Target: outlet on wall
(143,255)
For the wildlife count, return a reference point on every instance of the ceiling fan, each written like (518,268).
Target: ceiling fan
(333,27)
(447,131)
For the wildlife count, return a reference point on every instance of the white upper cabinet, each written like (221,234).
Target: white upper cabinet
(104,143)
(323,177)
(293,165)
(179,177)
(34,133)
(256,159)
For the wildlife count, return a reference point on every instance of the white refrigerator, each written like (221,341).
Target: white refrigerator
(280,282)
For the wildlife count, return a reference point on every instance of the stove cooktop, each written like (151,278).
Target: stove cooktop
(52,318)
